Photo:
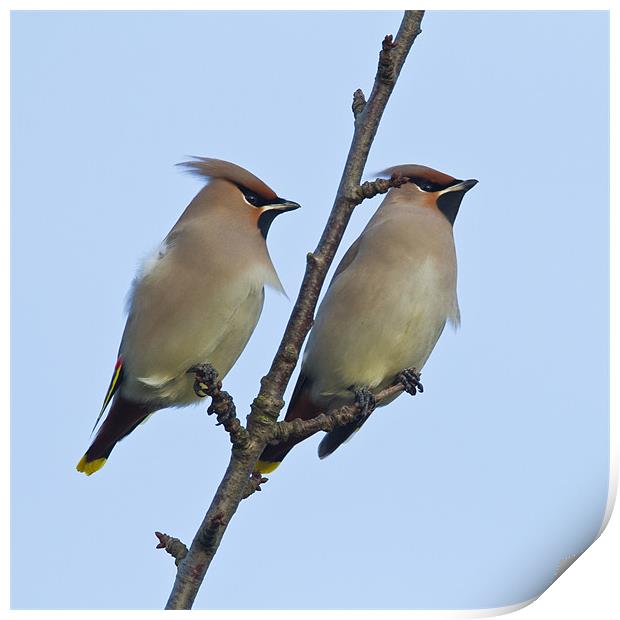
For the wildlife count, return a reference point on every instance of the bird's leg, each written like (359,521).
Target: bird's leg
(410,379)
(205,379)
(365,400)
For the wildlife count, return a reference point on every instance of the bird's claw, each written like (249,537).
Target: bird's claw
(205,379)
(410,379)
(365,401)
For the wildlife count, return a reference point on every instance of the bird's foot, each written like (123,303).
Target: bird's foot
(205,379)
(365,400)
(410,379)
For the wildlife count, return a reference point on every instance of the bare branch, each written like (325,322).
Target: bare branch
(207,384)
(269,402)
(267,405)
(172,545)
(370,189)
(385,72)
(224,408)
(301,429)
(254,484)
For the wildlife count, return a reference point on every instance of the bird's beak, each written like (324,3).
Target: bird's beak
(463,186)
(268,213)
(281,205)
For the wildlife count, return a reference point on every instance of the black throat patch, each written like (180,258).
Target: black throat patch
(265,219)
(449,204)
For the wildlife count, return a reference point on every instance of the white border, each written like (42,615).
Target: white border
(589,587)
(309,5)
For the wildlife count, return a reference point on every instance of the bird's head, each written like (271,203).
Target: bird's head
(442,190)
(244,189)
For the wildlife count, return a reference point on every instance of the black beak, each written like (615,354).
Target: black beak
(463,186)
(272,210)
(283,205)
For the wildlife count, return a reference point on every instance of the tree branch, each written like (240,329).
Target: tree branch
(302,429)
(224,408)
(386,69)
(370,189)
(222,405)
(172,545)
(267,405)
(253,484)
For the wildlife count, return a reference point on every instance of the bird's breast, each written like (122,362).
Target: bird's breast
(382,314)
(190,307)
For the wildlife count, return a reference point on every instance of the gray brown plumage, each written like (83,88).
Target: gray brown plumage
(196,300)
(387,304)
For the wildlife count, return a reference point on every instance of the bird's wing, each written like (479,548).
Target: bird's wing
(346,260)
(184,309)
(117,376)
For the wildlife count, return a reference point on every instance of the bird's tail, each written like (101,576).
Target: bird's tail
(123,418)
(334,439)
(300,407)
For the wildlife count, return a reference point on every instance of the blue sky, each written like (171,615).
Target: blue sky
(468,496)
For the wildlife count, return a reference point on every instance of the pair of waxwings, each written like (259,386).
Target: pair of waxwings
(198,298)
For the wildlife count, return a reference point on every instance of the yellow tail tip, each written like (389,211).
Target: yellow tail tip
(90,467)
(266,467)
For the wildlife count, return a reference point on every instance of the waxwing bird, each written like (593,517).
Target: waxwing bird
(385,307)
(195,301)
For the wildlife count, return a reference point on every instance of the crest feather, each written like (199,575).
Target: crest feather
(422,173)
(220,169)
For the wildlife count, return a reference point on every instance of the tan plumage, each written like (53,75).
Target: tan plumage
(196,300)
(387,304)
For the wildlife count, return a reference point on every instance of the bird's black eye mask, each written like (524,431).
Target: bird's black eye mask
(266,218)
(254,199)
(429,186)
(448,203)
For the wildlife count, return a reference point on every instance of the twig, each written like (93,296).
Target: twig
(253,484)
(222,405)
(370,189)
(224,408)
(172,545)
(302,429)
(267,405)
